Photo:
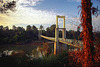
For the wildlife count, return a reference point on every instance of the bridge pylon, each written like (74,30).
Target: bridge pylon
(57,46)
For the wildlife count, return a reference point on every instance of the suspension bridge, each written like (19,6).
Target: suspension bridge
(57,46)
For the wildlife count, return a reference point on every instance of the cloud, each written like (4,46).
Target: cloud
(33,16)
(30,2)
(96,23)
(74,0)
(71,27)
(29,16)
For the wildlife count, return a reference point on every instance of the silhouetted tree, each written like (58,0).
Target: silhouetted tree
(53,27)
(48,31)
(41,27)
(20,29)
(1,27)
(14,27)
(28,28)
(35,32)
(7,5)
(34,28)
(6,28)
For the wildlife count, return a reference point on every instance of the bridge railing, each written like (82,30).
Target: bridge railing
(71,42)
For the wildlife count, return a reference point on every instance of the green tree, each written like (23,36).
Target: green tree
(35,32)
(20,29)
(48,31)
(28,28)
(14,27)
(1,27)
(34,28)
(41,27)
(15,38)
(53,27)
(6,28)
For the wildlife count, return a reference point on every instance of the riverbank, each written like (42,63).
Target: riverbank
(27,48)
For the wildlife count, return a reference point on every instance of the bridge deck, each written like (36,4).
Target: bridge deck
(71,42)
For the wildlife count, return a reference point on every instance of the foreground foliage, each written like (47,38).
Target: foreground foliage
(65,59)
(19,60)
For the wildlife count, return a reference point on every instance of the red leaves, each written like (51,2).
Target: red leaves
(76,58)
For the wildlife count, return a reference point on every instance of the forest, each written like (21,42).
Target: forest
(18,35)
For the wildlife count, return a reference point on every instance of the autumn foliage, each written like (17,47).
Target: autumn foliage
(76,58)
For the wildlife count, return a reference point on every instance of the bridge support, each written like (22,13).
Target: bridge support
(64,33)
(56,43)
(57,46)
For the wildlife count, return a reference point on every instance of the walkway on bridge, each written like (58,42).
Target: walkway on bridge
(70,42)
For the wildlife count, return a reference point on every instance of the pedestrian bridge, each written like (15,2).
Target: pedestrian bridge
(63,40)
(70,42)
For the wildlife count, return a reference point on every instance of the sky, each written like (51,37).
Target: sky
(43,12)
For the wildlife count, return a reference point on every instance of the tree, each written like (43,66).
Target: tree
(14,27)
(87,33)
(34,28)
(1,27)
(53,27)
(6,28)
(51,30)
(35,32)
(41,27)
(28,28)
(20,29)
(5,6)
(48,31)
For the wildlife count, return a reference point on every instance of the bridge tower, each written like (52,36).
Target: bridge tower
(57,47)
